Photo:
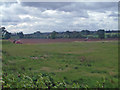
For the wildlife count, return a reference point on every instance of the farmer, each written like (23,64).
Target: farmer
(14,41)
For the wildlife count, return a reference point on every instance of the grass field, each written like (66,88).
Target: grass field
(77,64)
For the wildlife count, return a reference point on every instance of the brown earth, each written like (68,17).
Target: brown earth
(34,41)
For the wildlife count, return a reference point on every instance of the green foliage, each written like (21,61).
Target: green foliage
(112,35)
(101,34)
(20,34)
(41,81)
(53,35)
(85,32)
(24,81)
(5,33)
(67,34)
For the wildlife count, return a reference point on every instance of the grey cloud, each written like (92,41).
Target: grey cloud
(11,13)
(8,23)
(74,6)
(62,20)
(46,5)
(27,19)
(11,18)
(92,6)
(7,3)
(115,19)
(113,14)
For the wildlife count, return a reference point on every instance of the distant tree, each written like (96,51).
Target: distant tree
(114,36)
(67,34)
(75,34)
(20,34)
(53,35)
(37,34)
(108,36)
(3,28)
(5,33)
(85,32)
(101,33)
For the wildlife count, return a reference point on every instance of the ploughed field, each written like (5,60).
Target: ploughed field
(60,65)
(35,41)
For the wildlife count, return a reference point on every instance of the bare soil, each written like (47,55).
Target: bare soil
(35,41)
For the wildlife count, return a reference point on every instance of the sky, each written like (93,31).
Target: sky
(30,17)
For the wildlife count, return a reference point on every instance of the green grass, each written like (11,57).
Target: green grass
(87,64)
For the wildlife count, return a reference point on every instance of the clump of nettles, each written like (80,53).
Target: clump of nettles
(25,81)
(39,81)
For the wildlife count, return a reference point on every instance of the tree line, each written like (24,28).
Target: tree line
(101,34)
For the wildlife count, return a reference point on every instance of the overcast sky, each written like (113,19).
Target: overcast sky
(29,17)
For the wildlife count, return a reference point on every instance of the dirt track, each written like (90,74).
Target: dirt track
(34,41)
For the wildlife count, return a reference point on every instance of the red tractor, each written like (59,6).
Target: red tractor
(17,42)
